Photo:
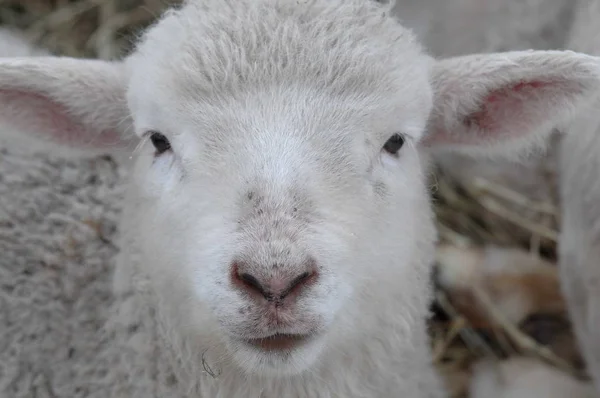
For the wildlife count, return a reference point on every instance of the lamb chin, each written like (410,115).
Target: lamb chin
(277,363)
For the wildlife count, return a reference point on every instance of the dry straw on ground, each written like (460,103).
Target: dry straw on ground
(474,213)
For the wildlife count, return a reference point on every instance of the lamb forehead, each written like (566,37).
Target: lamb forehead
(213,47)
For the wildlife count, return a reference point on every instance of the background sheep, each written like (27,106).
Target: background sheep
(58,220)
(580,201)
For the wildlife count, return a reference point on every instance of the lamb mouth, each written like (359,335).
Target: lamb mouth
(279,342)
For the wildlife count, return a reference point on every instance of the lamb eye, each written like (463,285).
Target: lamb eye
(160,142)
(394,144)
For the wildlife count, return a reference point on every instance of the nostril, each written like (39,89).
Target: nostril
(299,281)
(273,286)
(251,282)
(247,281)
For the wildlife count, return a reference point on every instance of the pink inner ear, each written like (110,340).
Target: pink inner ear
(36,114)
(505,106)
(504,114)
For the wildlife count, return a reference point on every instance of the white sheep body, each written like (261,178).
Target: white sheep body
(579,243)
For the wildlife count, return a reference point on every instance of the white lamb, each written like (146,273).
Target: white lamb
(277,236)
(579,244)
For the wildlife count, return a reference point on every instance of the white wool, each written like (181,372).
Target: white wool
(579,241)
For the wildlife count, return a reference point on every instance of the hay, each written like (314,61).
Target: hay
(82,28)
(469,213)
(478,213)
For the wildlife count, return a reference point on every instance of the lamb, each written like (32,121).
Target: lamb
(277,235)
(580,194)
(58,221)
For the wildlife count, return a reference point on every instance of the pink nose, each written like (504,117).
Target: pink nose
(278,286)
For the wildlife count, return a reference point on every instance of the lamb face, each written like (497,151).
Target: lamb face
(293,184)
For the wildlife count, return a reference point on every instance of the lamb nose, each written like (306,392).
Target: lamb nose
(276,287)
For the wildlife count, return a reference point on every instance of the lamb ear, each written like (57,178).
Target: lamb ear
(504,103)
(78,106)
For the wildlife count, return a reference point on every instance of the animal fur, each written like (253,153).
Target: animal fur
(278,113)
(579,243)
